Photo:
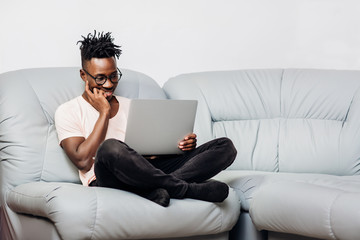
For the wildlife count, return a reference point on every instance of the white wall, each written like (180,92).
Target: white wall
(163,38)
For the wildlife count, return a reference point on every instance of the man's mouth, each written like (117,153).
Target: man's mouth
(108,94)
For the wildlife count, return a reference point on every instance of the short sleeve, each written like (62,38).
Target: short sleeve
(67,122)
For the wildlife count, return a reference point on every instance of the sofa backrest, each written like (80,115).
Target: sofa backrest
(280,120)
(29,149)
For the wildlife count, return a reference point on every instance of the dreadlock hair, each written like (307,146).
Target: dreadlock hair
(98,46)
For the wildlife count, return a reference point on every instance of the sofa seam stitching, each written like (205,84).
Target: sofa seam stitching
(207,105)
(281,117)
(330,211)
(243,192)
(255,144)
(47,135)
(350,106)
(45,151)
(221,222)
(95,217)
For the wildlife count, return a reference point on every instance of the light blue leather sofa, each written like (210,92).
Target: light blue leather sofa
(41,195)
(297,133)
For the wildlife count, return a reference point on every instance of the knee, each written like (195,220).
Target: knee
(109,149)
(228,148)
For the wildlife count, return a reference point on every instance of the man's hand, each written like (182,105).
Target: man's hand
(188,143)
(81,150)
(98,100)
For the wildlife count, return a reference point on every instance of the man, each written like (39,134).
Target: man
(91,129)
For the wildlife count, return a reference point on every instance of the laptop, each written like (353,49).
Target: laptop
(155,127)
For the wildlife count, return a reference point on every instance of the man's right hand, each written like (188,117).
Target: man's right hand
(81,150)
(98,100)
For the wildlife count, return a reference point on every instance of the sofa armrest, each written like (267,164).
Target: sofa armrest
(65,204)
(32,198)
(80,212)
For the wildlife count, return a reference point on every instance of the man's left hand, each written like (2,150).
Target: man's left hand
(188,143)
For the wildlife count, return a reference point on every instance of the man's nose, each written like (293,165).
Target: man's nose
(108,83)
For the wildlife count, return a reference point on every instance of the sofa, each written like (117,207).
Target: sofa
(41,194)
(297,133)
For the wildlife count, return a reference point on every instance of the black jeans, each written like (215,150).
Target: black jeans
(118,166)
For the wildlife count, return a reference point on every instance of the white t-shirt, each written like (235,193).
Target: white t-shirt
(77,118)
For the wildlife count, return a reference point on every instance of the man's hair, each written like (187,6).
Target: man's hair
(99,45)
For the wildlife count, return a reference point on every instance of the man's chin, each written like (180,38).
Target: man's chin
(109,97)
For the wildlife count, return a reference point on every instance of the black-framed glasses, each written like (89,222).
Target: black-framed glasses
(101,79)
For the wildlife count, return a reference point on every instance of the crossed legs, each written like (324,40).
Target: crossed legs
(118,166)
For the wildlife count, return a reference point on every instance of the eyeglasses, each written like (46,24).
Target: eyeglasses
(101,79)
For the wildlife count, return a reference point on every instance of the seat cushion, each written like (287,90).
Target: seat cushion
(325,208)
(104,213)
(314,205)
(247,183)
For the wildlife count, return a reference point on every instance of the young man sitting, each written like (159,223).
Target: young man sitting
(91,130)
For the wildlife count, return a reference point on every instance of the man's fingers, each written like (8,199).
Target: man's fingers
(191,136)
(187,148)
(98,92)
(187,142)
(102,92)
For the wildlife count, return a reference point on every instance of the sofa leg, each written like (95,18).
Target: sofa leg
(245,229)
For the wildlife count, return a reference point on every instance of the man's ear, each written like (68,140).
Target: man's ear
(83,75)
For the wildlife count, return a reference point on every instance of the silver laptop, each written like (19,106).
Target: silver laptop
(155,127)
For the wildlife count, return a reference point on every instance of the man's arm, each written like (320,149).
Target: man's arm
(80,150)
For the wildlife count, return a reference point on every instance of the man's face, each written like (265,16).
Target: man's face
(104,67)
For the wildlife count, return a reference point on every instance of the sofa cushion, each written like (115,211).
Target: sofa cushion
(290,120)
(323,207)
(241,105)
(247,183)
(104,213)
